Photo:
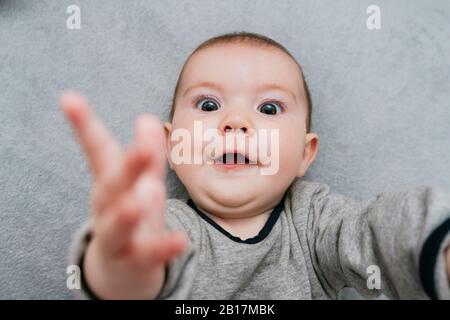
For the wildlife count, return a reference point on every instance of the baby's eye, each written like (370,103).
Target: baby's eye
(270,108)
(207,104)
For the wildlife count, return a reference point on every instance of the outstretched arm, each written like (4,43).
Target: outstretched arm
(129,246)
(403,235)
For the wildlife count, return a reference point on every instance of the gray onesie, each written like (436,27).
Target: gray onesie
(314,243)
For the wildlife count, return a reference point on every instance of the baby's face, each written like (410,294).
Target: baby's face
(238,92)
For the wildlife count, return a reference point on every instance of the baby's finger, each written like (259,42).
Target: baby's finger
(152,194)
(161,248)
(100,147)
(144,154)
(149,139)
(171,245)
(116,228)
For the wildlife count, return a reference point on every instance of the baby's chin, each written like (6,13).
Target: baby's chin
(228,188)
(232,194)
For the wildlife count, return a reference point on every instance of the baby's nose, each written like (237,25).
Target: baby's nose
(236,123)
(236,126)
(230,129)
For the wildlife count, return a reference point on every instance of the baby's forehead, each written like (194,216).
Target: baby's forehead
(242,64)
(224,53)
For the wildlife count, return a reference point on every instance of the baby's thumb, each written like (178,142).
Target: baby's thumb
(174,243)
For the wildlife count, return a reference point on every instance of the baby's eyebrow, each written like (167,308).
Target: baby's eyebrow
(263,87)
(274,86)
(204,84)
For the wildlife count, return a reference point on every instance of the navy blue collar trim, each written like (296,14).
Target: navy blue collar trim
(259,237)
(429,256)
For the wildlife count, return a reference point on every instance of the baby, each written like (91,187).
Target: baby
(245,232)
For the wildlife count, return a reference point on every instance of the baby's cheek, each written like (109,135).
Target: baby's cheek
(291,143)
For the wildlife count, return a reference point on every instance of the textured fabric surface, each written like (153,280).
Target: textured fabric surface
(381,102)
(320,243)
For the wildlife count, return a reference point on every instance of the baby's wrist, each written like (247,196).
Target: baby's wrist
(107,278)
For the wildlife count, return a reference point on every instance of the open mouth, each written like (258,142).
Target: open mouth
(233,159)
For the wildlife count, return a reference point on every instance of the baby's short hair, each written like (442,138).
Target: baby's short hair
(254,39)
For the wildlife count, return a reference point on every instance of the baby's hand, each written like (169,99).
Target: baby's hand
(130,245)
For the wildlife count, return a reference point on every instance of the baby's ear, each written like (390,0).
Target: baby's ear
(309,154)
(168,132)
